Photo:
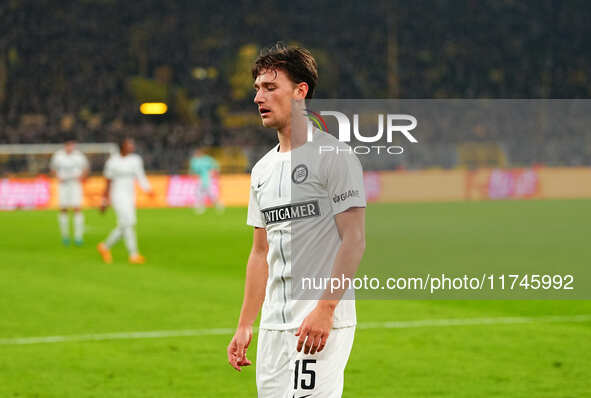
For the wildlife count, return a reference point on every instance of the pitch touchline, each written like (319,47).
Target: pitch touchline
(362,326)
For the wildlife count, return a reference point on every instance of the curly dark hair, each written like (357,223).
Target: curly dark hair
(297,62)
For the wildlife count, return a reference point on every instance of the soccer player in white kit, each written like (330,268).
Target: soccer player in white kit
(122,170)
(70,167)
(303,345)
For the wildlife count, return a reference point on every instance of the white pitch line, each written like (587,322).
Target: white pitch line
(473,321)
(158,334)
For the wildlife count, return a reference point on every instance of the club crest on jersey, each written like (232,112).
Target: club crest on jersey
(294,211)
(299,174)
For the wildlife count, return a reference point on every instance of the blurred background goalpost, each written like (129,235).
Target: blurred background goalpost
(33,159)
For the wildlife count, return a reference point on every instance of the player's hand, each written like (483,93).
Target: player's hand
(238,346)
(315,329)
(104,204)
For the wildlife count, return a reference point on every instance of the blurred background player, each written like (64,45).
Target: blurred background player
(204,166)
(122,170)
(70,167)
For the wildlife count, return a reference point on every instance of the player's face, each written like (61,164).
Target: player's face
(69,146)
(274,94)
(128,146)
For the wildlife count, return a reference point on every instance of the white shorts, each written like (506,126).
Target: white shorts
(282,372)
(70,194)
(125,210)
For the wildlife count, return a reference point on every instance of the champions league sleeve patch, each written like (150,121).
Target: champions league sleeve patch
(295,211)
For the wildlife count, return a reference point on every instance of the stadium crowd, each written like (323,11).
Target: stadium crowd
(85,68)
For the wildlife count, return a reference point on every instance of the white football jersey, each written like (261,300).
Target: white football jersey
(295,197)
(68,166)
(123,171)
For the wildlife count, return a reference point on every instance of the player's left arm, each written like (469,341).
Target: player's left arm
(85,168)
(105,199)
(108,173)
(53,166)
(343,176)
(142,179)
(316,327)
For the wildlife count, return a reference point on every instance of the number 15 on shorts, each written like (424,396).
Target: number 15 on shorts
(304,374)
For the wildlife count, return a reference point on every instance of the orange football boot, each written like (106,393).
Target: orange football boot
(105,253)
(137,259)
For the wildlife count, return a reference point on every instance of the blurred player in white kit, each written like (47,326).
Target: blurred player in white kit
(70,167)
(122,170)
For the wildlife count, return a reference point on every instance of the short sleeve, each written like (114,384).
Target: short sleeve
(254,217)
(345,182)
(108,172)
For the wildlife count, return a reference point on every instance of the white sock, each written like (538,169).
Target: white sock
(114,237)
(78,225)
(130,240)
(64,222)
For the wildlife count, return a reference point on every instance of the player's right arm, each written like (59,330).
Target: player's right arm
(191,167)
(254,295)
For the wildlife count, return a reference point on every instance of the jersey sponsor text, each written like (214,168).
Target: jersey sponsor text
(290,212)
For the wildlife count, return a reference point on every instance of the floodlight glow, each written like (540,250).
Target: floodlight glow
(153,108)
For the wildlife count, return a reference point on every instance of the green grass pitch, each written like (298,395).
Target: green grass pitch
(194,279)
